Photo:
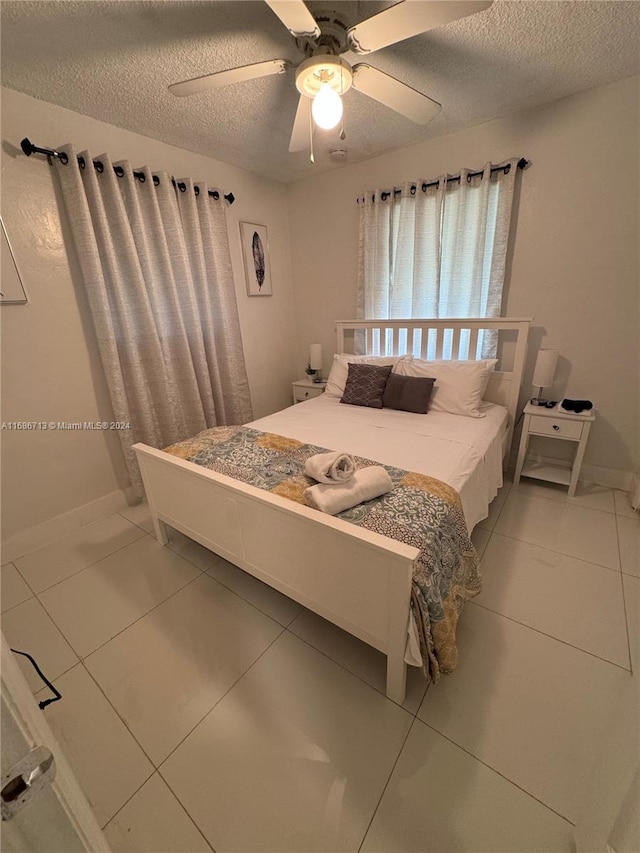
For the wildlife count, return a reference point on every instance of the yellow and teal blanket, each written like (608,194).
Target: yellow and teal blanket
(419,511)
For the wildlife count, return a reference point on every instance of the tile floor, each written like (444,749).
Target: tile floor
(204,711)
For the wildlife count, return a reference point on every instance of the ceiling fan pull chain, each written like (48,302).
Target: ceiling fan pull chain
(311,157)
(342,134)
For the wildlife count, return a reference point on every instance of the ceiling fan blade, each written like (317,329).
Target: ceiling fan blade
(225,78)
(296,17)
(394,94)
(300,134)
(409,18)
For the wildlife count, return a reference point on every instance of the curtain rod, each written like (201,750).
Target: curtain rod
(522,163)
(29,148)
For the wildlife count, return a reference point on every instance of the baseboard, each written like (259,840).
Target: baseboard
(611,477)
(55,528)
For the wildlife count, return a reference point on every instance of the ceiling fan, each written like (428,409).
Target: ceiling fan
(331,49)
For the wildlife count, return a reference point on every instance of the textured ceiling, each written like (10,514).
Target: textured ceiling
(113,60)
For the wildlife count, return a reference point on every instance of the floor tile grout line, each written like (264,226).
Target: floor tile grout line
(630,575)
(57,627)
(135,622)
(59,538)
(386,784)
(248,601)
(624,599)
(626,616)
(175,550)
(355,675)
(555,551)
(55,678)
(75,531)
(139,526)
(91,565)
(494,770)
(217,702)
(13,606)
(235,592)
(142,616)
(550,636)
(20,575)
(156,772)
(124,723)
(186,810)
(115,710)
(81,662)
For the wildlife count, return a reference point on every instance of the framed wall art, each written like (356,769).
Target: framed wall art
(255,251)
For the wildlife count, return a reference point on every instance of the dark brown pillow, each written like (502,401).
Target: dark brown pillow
(365,385)
(408,393)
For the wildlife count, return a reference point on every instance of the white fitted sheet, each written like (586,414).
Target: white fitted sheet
(464,452)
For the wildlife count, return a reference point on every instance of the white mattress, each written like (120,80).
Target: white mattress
(464,452)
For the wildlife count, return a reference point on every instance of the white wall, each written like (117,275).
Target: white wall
(574,266)
(50,367)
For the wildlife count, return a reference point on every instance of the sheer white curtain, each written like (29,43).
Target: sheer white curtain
(157,270)
(438,251)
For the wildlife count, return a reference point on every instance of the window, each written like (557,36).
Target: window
(437,249)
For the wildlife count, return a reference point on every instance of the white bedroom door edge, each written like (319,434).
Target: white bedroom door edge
(59,818)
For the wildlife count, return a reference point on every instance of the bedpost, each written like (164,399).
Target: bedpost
(159,527)
(399,596)
(396,679)
(514,394)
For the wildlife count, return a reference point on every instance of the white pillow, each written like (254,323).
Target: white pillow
(459,386)
(340,369)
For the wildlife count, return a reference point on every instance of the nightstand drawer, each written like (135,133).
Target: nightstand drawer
(304,389)
(561,427)
(302,394)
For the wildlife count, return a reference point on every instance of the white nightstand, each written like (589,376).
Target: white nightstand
(305,389)
(554,423)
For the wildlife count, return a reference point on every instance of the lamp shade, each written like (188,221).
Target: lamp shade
(315,356)
(545,369)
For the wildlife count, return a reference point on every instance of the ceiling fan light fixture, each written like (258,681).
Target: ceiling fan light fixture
(326,108)
(324,78)
(322,69)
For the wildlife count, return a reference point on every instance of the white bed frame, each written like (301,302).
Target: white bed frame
(357,579)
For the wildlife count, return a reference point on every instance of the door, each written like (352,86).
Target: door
(50,814)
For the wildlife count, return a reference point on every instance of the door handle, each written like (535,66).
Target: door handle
(26,780)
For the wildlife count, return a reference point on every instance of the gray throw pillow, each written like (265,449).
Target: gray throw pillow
(408,393)
(365,385)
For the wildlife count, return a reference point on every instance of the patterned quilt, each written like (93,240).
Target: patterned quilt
(420,511)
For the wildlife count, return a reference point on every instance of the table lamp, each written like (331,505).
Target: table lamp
(543,375)
(315,361)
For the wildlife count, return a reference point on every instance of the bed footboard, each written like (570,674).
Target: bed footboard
(357,579)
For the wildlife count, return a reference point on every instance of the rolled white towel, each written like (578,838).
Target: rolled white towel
(330,467)
(367,483)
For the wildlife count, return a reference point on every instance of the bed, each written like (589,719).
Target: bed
(324,562)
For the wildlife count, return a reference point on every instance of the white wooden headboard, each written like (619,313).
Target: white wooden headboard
(450,339)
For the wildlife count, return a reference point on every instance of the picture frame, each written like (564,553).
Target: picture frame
(257,265)
(12,290)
